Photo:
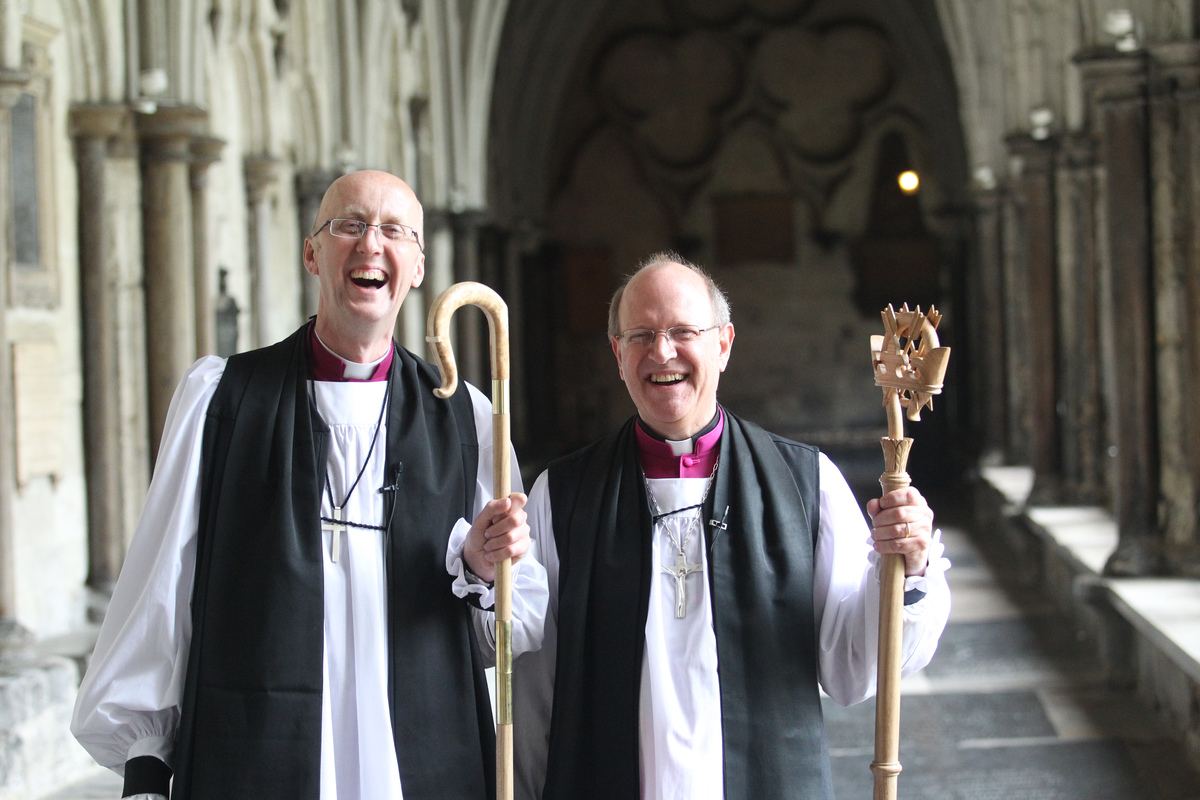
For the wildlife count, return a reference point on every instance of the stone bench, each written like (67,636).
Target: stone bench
(1148,629)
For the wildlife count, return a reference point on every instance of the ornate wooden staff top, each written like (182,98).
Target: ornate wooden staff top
(909,366)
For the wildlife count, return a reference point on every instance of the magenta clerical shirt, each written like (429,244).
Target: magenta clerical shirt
(328,366)
(659,459)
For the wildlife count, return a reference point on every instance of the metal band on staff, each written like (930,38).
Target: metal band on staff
(909,366)
(437,334)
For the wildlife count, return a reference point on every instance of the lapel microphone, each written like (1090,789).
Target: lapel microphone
(394,486)
(717,526)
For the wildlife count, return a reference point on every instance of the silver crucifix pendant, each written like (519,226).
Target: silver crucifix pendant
(336,527)
(681,570)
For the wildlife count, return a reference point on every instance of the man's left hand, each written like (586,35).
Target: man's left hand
(499,532)
(902,523)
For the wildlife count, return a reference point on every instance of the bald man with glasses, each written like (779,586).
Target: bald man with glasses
(707,579)
(304,611)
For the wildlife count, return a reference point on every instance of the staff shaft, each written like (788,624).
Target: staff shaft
(910,374)
(437,330)
(886,766)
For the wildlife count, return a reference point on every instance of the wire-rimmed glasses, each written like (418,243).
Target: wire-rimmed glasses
(646,337)
(356,229)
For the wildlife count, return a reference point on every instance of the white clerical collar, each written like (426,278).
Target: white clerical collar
(682,447)
(354,370)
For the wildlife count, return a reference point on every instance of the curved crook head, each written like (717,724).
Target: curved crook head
(437,330)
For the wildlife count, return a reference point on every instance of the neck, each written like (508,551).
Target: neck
(326,365)
(359,347)
(680,441)
(690,458)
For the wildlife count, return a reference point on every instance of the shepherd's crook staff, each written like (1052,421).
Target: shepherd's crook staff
(438,334)
(909,366)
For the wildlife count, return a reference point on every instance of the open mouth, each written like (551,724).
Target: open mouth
(368,278)
(670,379)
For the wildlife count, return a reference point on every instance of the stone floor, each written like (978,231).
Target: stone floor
(1013,707)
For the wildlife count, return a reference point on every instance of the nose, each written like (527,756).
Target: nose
(375,244)
(662,352)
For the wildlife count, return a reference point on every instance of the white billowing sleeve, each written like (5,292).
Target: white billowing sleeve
(846,597)
(530,589)
(128,702)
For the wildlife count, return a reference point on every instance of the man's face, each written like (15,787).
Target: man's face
(364,281)
(673,385)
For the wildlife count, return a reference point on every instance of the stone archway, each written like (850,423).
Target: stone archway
(749,135)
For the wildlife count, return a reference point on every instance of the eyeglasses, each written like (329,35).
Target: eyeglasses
(646,337)
(356,229)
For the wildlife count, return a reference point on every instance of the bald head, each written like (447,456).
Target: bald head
(672,368)
(353,194)
(364,278)
(720,303)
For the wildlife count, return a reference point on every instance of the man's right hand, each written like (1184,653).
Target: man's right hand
(499,532)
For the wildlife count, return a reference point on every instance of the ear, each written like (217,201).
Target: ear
(310,256)
(726,341)
(419,272)
(616,348)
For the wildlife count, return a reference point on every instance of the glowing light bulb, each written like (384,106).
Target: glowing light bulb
(909,182)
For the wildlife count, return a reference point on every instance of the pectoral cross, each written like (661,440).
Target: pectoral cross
(336,526)
(681,570)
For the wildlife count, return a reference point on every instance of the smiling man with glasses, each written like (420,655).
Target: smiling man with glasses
(304,612)
(707,579)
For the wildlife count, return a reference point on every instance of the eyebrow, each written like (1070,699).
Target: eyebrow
(361,212)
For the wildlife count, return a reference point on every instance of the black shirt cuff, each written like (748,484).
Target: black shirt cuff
(146,775)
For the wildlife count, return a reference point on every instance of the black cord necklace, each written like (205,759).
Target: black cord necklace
(336,524)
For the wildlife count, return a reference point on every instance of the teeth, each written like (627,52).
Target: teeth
(674,376)
(368,274)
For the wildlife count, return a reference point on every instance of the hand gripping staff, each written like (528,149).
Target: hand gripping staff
(438,334)
(909,367)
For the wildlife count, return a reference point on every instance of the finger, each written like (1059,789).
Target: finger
(504,540)
(498,550)
(502,525)
(896,498)
(897,531)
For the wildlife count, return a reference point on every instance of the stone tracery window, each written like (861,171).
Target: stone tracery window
(33,278)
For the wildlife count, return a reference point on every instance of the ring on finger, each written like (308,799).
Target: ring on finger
(907,529)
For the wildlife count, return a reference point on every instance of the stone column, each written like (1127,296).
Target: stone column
(1115,84)
(473,357)
(166,137)
(205,150)
(1031,328)
(12,83)
(311,185)
(1082,440)
(987,333)
(92,127)
(260,173)
(439,274)
(1174,139)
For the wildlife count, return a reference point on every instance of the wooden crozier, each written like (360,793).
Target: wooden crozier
(909,367)
(438,334)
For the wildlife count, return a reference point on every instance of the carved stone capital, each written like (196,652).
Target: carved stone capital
(205,151)
(1177,64)
(1037,155)
(1113,77)
(105,121)
(311,184)
(260,172)
(167,134)
(12,84)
